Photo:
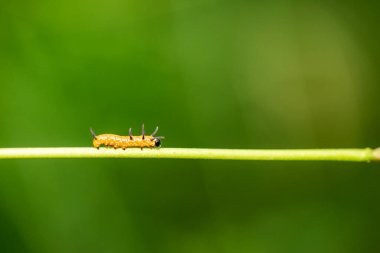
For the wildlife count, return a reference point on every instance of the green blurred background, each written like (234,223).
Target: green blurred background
(216,74)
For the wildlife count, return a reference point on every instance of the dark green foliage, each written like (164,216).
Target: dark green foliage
(215,74)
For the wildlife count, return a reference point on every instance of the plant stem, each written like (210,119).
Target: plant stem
(352,155)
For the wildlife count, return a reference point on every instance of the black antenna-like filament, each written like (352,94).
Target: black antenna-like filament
(93,133)
(155,131)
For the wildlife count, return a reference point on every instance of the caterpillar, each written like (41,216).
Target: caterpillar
(130,141)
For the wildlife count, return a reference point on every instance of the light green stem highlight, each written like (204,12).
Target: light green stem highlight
(352,155)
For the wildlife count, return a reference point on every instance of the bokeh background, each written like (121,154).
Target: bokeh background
(216,74)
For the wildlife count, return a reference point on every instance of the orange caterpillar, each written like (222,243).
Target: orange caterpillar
(130,141)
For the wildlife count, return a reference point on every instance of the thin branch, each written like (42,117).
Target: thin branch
(351,155)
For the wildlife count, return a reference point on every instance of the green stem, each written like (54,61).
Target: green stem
(353,155)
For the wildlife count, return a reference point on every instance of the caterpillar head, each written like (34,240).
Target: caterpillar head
(157,141)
